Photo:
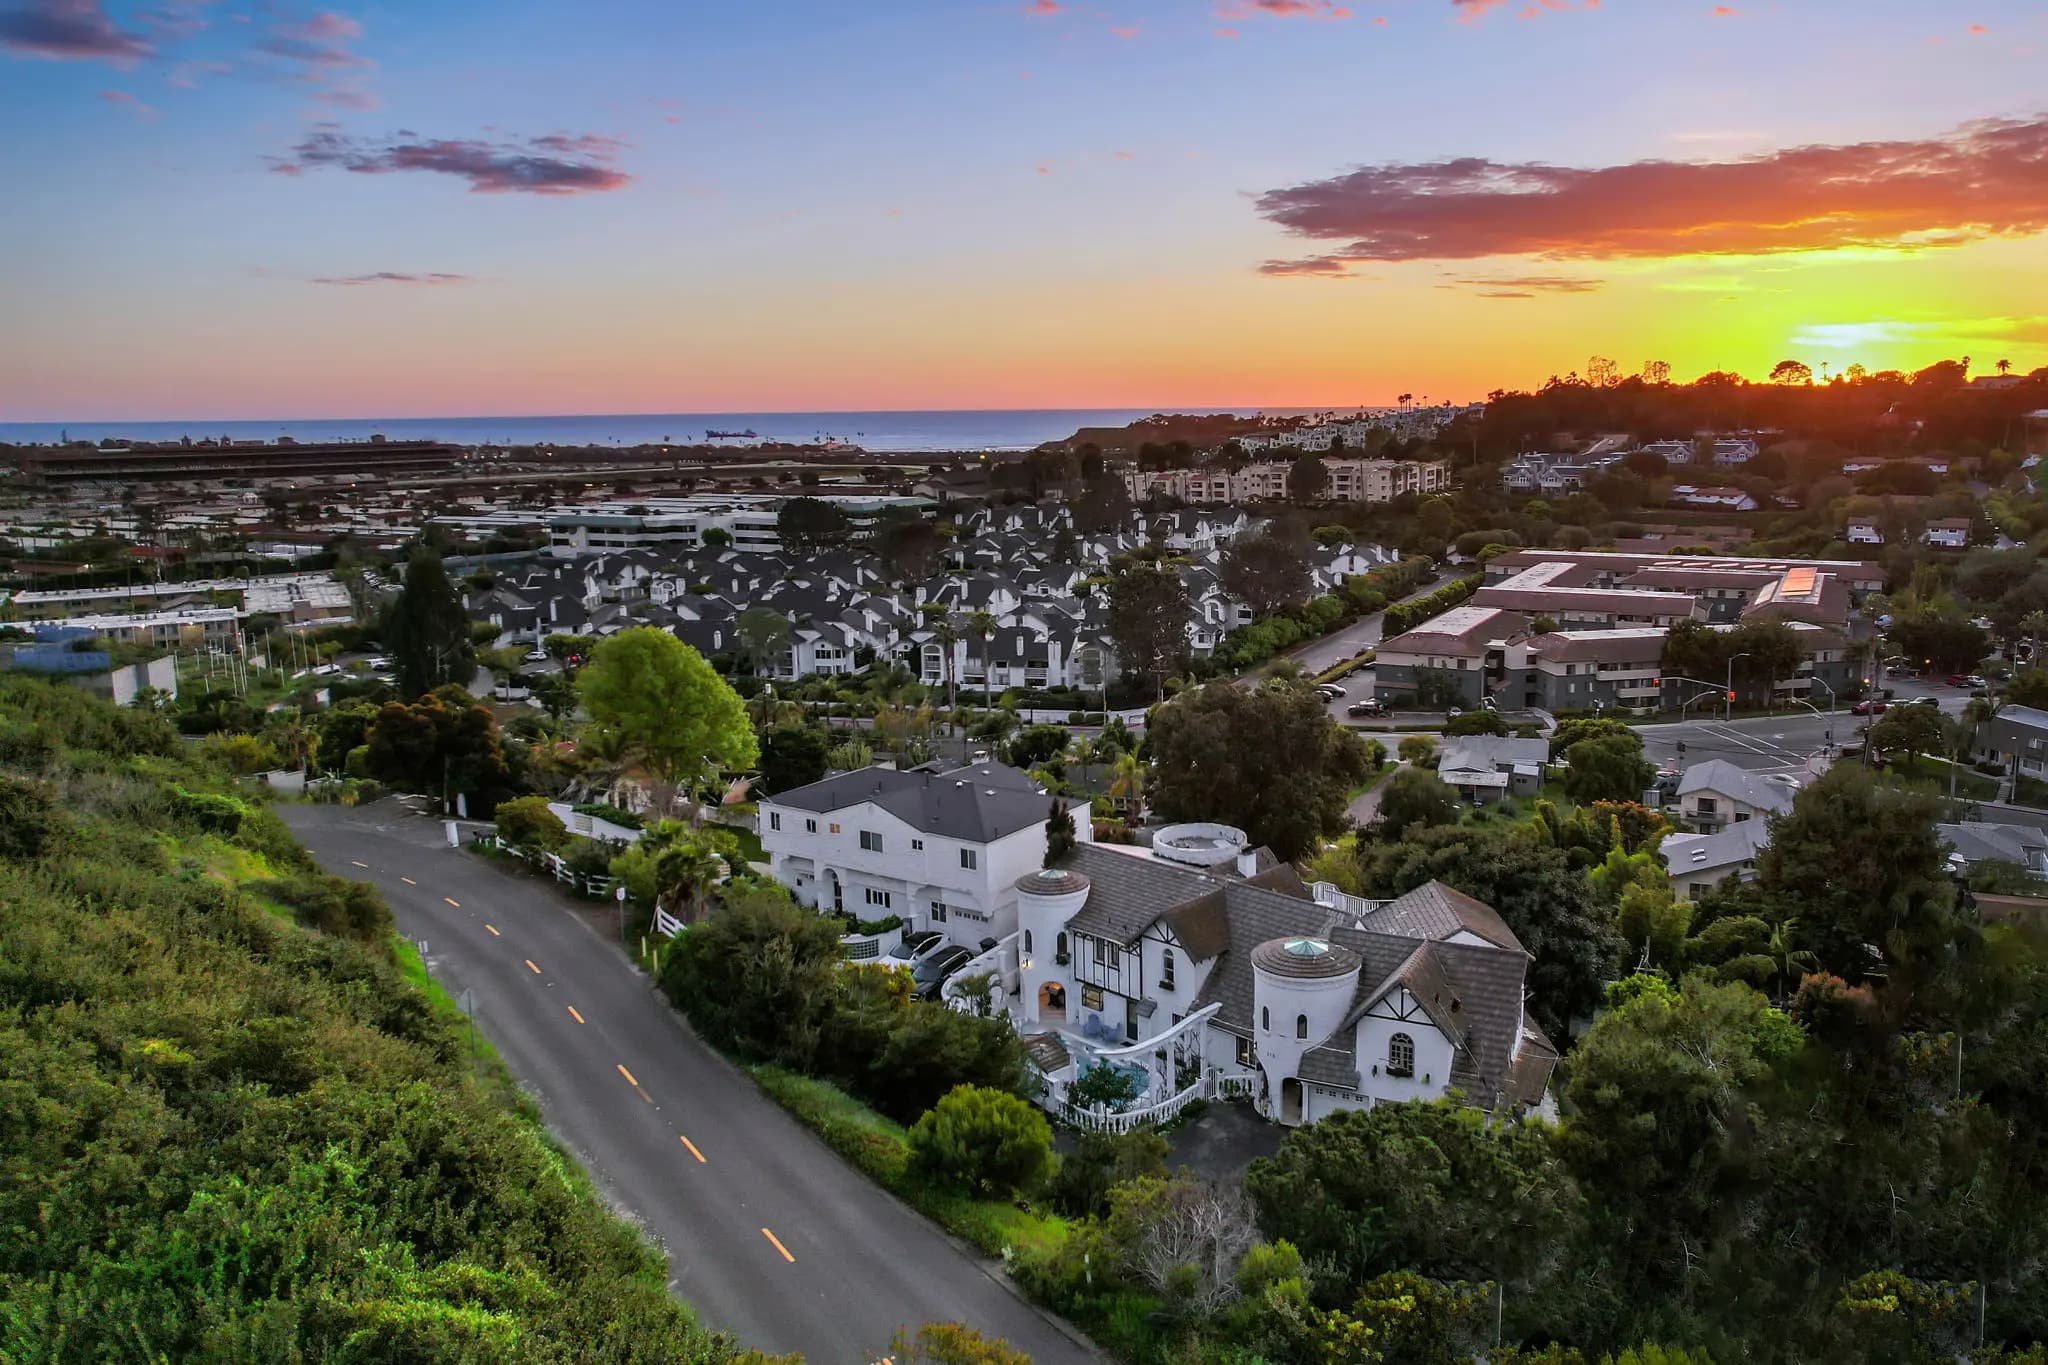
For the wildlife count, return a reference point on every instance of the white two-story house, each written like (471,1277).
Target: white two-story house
(941,850)
(1200,965)
(1716,794)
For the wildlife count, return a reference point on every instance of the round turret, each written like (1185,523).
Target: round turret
(1046,901)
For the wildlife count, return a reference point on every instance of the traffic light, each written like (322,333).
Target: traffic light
(1731,694)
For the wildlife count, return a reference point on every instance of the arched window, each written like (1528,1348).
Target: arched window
(1265,1020)
(1059,948)
(1166,969)
(1400,1055)
(1301,1026)
(1027,940)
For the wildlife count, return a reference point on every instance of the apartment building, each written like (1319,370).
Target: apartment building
(1370,481)
(1606,616)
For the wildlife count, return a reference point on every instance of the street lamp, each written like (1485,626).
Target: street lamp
(619,898)
(1728,713)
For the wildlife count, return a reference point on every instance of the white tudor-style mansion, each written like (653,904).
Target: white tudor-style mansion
(1202,967)
(941,849)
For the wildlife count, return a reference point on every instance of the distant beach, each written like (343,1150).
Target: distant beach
(881,432)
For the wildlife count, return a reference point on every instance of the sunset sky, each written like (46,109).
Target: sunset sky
(244,208)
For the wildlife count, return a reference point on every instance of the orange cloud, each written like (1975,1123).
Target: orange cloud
(1981,180)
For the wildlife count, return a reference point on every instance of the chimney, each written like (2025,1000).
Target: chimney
(1247,863)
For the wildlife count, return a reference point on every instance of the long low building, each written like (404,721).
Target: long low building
(1603,619)
(204,461)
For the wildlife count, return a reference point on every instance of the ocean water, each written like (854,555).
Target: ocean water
(1018,429)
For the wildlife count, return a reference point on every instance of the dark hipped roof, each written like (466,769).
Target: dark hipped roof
(979,804)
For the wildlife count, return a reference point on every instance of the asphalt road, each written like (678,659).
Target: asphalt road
(1774,741)
(1361,635)
(768,1233)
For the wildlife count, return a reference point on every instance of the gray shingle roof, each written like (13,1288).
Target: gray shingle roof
(1329,1065)
(1128,893)
(1723,778)
(1436,911)
(978,805)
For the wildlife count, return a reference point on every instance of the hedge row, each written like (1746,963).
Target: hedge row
(1362,595)
(1406,616)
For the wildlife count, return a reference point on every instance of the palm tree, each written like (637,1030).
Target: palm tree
(685,869)
(2004,367)
(603,754)
(946,636)
(1126,782)
(983,624)
(1784,955)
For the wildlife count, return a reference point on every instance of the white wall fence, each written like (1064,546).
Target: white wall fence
(999,961)
(587,884)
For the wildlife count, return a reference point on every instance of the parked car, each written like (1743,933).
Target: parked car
(1869,706)
(915,948)
(1330,692)
(1454,713)
(1924,701)
(534,656)
(930,974)
(1369,707)
(1974,681)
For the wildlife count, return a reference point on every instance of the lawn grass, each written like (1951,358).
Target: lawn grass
(2030,791)
(750,843)
(1971,785)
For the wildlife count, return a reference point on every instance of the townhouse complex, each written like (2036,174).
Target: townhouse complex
(1349,481)
(1585,630)
(845,608)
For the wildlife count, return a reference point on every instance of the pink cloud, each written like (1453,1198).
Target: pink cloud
(1281,9)
(121,99)
(1981,180)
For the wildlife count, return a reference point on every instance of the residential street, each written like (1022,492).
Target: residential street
(1359,636)
(769,1234)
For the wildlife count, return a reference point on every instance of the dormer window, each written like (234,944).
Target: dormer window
(1400,1055)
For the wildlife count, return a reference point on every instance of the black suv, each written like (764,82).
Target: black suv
(931,973)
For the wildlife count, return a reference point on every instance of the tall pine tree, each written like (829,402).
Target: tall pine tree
(427,631)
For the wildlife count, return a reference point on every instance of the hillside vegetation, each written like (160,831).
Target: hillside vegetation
(230,1130)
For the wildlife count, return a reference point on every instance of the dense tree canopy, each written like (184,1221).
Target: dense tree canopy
(1269,760)
(682,719)
(1549,905)
(1148,623)
(427,630)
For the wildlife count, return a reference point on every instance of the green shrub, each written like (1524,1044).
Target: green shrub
(333,905)
(982,1141)
(527,822)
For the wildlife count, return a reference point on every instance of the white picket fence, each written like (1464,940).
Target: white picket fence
(1123,1121)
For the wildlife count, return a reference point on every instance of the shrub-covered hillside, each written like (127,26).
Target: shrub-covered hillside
(228,1136)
